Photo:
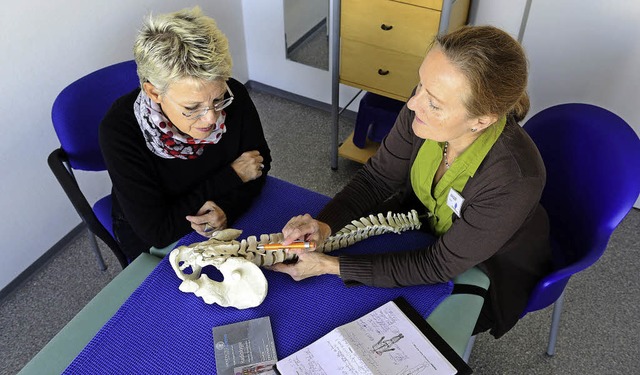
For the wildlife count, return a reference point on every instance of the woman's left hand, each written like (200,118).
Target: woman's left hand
(209,218)
(310,263)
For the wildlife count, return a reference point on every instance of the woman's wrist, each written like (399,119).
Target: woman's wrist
(331,265)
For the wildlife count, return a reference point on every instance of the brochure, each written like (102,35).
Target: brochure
(245,348)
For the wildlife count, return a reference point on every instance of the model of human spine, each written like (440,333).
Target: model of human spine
(244,284)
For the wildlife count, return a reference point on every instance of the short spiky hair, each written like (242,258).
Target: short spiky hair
(184,44)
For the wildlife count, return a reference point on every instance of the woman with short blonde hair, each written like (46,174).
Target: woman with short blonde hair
(185,151)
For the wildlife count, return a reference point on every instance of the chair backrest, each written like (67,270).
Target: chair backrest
(80,107)
(592,158)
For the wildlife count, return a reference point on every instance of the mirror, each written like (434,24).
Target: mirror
(306,32)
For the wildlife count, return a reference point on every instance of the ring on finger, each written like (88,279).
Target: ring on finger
(207,228)
(261,167)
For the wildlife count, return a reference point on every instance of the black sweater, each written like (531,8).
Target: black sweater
(156,194)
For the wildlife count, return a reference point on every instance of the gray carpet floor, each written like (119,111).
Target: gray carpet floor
(600,324)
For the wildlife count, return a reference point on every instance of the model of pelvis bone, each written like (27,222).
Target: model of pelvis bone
(244,284)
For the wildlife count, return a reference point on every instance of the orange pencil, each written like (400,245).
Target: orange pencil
(293,245)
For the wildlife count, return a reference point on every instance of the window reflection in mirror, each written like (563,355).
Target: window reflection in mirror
(306,32)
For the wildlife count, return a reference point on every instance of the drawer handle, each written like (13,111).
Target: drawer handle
(383,72)
(385,27)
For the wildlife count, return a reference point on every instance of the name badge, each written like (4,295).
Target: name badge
(454,201)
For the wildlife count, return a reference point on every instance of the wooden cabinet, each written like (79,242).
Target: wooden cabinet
(383,42)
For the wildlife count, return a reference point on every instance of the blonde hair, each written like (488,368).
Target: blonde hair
(184,44)
(496,67)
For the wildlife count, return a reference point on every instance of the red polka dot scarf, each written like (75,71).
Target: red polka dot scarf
(164,139)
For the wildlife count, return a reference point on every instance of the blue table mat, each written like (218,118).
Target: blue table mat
(160,330)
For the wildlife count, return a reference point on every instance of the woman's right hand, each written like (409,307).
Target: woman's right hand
(248,166)
(209,218)
(305,228)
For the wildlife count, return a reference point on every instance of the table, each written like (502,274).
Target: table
(66,345)
(146,334)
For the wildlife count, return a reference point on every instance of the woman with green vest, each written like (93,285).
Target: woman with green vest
(457,155)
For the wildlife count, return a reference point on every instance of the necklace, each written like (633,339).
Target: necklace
(444,155)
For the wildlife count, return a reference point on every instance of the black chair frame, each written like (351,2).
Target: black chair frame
(59,164)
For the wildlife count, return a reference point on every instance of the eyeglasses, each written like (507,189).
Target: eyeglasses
(218,105)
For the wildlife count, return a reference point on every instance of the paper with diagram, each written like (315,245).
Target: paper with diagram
(385,341)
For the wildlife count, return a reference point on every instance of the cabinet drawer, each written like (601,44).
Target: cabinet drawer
(409,28)
(362,64)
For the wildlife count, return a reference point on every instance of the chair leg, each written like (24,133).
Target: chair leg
(96,250)
(469,348)
(555,325)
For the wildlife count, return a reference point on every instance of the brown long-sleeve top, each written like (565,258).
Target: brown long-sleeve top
(502,228)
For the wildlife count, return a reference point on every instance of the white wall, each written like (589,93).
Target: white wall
(585,52)
(45,46)
(506,15)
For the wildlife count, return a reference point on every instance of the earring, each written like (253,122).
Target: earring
(473,130)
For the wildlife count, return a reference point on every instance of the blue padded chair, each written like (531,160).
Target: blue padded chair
(76,115)
(592,158)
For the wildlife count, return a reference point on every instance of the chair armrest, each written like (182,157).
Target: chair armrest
(455,318)
(56,161)
(162,252)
